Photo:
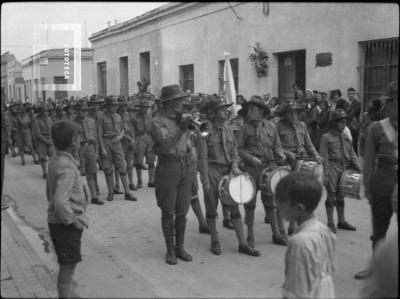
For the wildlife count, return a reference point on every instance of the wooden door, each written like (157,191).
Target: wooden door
(286,75)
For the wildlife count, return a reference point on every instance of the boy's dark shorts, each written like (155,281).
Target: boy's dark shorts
(67,243)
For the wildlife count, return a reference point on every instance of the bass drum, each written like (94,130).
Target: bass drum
(311,166)
(270,178)
(236,189)
(350,183)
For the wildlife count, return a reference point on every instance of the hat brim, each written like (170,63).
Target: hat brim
(178,96)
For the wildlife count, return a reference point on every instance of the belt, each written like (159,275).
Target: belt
(387,162)
(109,136)
(87,142)
(171,158)
(339,161)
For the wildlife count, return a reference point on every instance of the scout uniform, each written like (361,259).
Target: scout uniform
(21,125)
(10,119)
(142,123)
(338,154)
(111,131)
(217,157)
(128,143)
(94,113)
(294,139)
(259,139)
(172,176)
(380,171)
(44,145)
(88,150)
(381,168)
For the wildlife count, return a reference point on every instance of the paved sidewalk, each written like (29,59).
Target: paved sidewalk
(23,274)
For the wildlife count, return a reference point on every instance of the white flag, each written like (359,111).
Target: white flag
(229,85)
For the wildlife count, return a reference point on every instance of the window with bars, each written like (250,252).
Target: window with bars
(235,73)
(186,77)
(379,67)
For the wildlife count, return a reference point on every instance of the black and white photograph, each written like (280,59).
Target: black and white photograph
(199,149)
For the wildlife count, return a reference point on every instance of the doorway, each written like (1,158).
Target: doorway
(123,76)
(291,71)
(145,66)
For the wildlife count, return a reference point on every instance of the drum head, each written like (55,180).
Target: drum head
(242,188)
(319,172)
(276,176)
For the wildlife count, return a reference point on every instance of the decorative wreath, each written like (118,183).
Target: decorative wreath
(260,60)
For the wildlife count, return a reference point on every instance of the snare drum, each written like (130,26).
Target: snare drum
(311,166)
(349,185)
(270,177)
(236,189)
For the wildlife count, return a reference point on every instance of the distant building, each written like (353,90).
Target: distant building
(48,67)
(15,80)
(322,46)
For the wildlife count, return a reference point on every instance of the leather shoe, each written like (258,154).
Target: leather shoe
(139,185)
(278,240)
(246,249)
(183,255)
(346,226)
(97,201)
(362,274)
(170,258)
(228,224)
(215,248)
(36,162)
(110,197)
(132,187)
(332,228)
(151,185)
(250,241)
(130,197)
(203,229)
(117,191)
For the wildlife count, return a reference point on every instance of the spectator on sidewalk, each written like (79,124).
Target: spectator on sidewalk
(309,258)
(67,200)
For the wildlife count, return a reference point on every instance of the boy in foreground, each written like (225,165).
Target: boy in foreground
(309,259)
(67,203)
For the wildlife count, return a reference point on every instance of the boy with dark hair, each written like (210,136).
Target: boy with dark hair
(309,259)
(68,200)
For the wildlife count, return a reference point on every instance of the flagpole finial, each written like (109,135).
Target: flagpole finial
(226,54)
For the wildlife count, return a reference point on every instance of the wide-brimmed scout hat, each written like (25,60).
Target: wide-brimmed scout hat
(258,101)
(290,105)
(214,104)
(392,92)
(338,114)
(111,100)
(95,99)
(81,106)
(19,109)
(172,92)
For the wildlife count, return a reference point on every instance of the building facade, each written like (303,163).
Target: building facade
(48,67)
(15,81)
(322,46)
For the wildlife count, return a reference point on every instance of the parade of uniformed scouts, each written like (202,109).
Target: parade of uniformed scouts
(179,137)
